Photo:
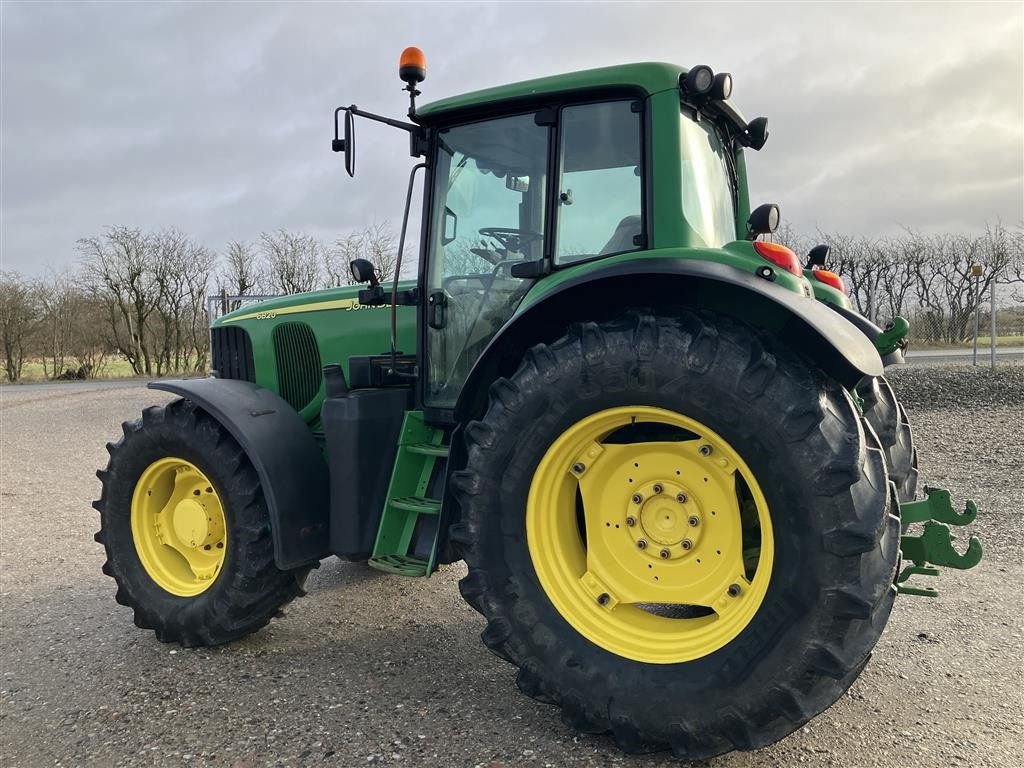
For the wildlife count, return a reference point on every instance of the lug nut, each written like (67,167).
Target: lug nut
(630,521)
(687,545)
(578,467)
(694,521)
(657,488)
(637,498)
(604,598)
(681,497)
(734,590)
(665,554)
(704,450)
(641,544)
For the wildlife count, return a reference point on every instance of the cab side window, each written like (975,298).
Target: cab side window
(600,182)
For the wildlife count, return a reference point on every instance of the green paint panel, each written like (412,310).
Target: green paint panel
(341,326)
(650,77)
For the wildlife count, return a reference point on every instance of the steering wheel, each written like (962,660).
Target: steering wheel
(510,238)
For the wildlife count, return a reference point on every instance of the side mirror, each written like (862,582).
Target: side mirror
(347,144)
(817,256)
(763,220)
(350,144)
(364,272)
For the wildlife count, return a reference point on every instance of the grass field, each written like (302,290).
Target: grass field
(113,368)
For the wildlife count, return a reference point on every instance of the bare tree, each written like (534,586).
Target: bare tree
(293,260)
(59,298)
(242,272)
(380,247)
(90,344)
(119,264)
(346,248)
(19,318)
(196,282)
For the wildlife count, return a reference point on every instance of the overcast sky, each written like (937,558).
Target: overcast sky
(216,117)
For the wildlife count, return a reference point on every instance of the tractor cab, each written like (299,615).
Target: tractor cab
(556,175)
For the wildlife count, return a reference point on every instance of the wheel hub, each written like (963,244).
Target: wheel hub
(662,527)
(179,526)
(190,523)
(663,519)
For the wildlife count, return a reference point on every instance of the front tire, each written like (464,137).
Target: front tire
(834,543)
(186,530)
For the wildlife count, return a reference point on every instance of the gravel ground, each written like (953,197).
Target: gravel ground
(378,670)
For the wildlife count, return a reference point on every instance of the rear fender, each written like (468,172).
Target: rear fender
(839,348)
(290,466)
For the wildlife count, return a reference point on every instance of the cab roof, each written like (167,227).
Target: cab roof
(649,77)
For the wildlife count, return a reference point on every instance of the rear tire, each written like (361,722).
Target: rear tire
(248,589)
(835,541)
(888,418)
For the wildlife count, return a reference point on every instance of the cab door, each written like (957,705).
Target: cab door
(488,214)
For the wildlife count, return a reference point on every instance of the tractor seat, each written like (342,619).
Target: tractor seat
(622,237)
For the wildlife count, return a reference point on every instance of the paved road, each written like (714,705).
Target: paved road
(72,386)
(378,670)
(964,356)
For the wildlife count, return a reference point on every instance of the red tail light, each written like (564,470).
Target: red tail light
(829,278)
(779,255)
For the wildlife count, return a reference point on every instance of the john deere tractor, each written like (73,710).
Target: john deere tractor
(662,443)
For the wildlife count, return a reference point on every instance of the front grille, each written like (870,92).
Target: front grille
(298,363)
(231,353)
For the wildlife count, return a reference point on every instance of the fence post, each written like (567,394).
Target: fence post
(992,312)
(977,313)
(976,270)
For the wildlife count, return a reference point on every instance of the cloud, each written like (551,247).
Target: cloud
(216,118)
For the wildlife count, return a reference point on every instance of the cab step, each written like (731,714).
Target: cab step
(399,565)
(418,504)
(406,543)
(428,449)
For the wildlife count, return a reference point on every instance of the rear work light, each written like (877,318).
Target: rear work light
(780,256)
(829,278)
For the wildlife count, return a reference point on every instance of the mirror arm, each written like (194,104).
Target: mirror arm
(416,133)
(411,127)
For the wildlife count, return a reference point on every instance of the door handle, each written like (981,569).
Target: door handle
(436,304)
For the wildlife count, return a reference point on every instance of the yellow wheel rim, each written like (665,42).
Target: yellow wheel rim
(178,526)
(671,554)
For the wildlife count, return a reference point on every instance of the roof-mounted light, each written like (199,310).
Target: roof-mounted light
(412,69)
(757,132)
(721,87)
(699,80)
(412,66)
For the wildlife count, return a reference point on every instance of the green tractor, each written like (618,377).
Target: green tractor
(662,444)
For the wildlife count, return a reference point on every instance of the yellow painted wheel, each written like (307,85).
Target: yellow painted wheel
(178,526)
(649,534)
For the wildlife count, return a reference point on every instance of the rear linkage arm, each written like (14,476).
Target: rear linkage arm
(934,547)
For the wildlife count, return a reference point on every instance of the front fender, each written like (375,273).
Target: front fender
(660,284)
(291,469)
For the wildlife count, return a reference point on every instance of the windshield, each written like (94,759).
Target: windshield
(707,189)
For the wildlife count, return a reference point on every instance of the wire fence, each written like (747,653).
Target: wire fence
(220,304)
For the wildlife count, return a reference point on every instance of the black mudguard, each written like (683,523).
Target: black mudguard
(289,463)
(870,330)
(840,348)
